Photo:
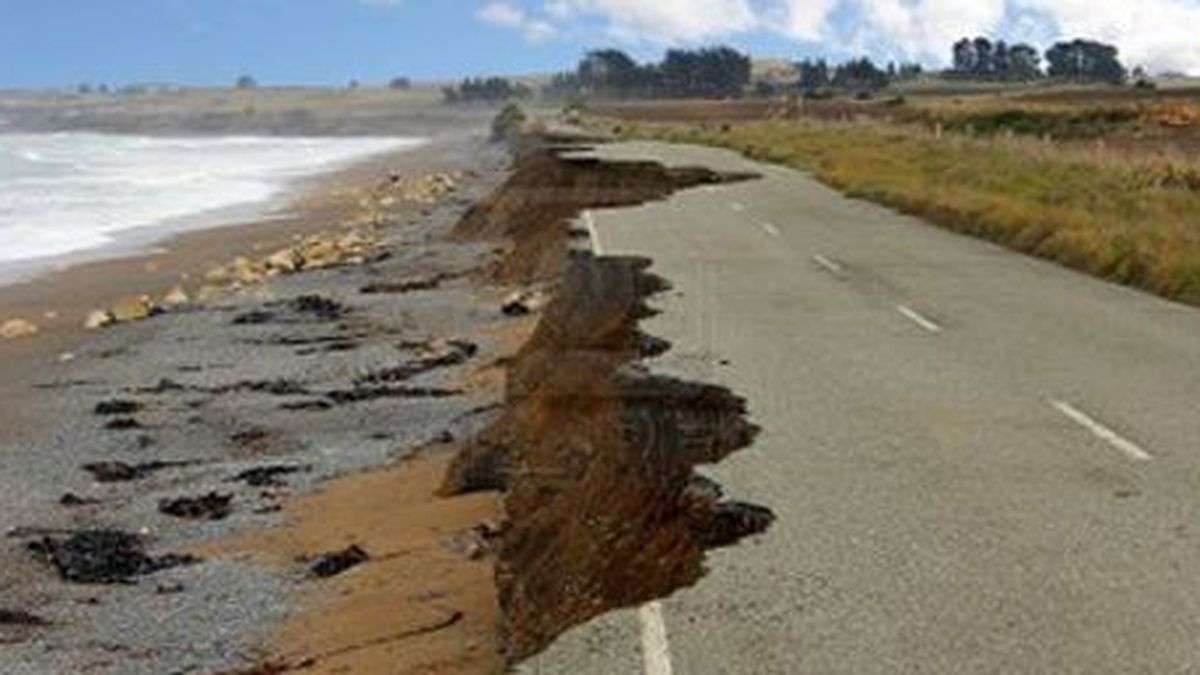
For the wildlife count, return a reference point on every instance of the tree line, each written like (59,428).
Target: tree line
(1078,60)
(724,72)
(710,72)
(486,90)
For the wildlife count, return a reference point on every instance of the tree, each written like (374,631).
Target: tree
(714,72)
(1001,61)
(910,71)
(1085,61)
(400,83)
(1024,62)
(609,72)
(246,82)
(814,75)
(859,75)
(981,59)
(964,57)
(985,55)
(486,90)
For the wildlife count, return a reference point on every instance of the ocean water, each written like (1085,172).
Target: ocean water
(70,193)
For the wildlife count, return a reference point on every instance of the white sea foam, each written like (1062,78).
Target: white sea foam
(72,192)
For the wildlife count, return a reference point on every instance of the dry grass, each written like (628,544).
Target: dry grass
(1133,219)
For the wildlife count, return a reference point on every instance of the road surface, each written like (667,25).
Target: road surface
(980,462)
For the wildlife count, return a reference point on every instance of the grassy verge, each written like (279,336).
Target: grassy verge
(1133,221)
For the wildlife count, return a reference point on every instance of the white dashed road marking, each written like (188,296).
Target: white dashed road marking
(1131,449)
(916,318)
(829,265)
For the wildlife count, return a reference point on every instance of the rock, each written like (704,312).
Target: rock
(333,564)
(103,557)
(117,407)
(18,328)
(319,306)
(268,476)
(71,500)
(13,617)
(218,275)
(285,261)
(213,506)
(353,242)
(132,309)
(210,293)
(246,271)
(319,255)
(120,472)
(522,303)
(176,297)
(98,319)
(123,424)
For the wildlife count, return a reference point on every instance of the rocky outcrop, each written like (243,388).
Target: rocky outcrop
(15,329)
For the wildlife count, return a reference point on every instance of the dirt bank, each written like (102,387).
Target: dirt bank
(594,454)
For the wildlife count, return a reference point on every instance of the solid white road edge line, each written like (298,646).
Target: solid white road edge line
(589,221)
(656,651)
(1131,449)
(916,318)
(828,264)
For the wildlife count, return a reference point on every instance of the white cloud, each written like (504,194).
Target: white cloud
(662,21)
(1160,34)
(511,16)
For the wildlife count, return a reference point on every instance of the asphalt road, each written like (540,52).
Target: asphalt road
(980,462)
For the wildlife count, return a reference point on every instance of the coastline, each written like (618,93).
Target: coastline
(207,420)
(78,283)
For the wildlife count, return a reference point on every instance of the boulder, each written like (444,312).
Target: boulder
(210,293)
(285,261)
(98,319)
(320,254)
(521,303)
(353,242)
(246,271)
(176,297)
(14,329)
(132,308)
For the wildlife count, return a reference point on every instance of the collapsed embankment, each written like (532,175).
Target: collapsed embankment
(595,455)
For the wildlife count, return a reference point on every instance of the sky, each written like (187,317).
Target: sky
(55,43)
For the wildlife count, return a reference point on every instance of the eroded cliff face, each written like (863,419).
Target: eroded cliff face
(596,455)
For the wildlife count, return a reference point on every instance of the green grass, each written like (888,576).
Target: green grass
(1136,222)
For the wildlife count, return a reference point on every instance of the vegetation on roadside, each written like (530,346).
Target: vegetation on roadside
(1131,220)
(486,90)
(508,122)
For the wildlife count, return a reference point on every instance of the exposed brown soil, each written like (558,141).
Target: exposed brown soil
(413,583)
(546,190)
(595,456)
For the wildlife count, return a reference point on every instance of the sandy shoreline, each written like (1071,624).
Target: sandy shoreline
(305,373)
(310,205)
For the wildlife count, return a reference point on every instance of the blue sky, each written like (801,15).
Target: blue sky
(63,42)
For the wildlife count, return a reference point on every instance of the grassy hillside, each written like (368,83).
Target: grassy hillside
(1129,216)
